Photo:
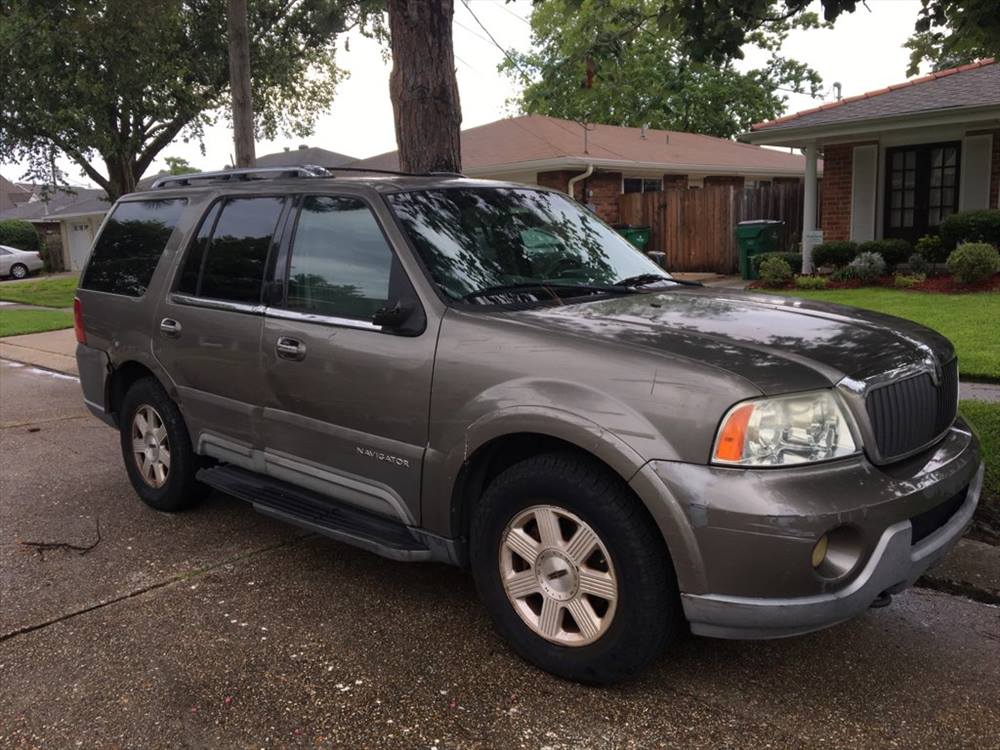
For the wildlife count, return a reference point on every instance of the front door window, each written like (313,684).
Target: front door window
(921,188)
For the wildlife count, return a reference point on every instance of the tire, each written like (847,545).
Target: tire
(19,271)
(175,488)
(641,618)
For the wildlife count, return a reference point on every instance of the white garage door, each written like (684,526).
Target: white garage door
(80,239)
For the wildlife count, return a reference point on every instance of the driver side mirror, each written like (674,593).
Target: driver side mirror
(392,317)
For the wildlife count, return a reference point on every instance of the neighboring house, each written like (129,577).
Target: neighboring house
(900,159)
(539,150)
(12,194)
(304,154)
(67,221)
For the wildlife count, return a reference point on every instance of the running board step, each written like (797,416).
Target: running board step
(318,513)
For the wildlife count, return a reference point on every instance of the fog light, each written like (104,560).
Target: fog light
(819,551)
(838,552)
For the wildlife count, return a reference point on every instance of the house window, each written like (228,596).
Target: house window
(641,185)
(921,188)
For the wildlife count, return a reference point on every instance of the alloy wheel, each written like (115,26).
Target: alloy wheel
(558,575)
(150,446)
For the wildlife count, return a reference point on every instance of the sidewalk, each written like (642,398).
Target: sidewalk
(53,350)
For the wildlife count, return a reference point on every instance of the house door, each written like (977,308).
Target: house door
(921,188)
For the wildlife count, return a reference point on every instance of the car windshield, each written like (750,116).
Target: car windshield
(487,245)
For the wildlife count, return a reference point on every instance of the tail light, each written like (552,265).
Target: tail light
(81,334)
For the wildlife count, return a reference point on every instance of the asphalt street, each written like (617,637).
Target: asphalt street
(219,628)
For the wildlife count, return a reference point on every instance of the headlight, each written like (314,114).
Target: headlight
(796,429)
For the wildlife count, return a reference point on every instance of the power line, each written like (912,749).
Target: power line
(499,46)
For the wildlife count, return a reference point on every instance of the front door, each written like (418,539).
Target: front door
(921,188)
(208,328)
(347,402)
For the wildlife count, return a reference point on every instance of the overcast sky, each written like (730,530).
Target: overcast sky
(863,52)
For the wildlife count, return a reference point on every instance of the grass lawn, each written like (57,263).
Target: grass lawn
(968,320)
(985,417)
(16,322)
(47,292)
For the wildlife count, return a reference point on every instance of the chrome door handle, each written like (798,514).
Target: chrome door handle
(170,327)
(289,348)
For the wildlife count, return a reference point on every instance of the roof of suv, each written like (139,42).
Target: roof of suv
(382,183)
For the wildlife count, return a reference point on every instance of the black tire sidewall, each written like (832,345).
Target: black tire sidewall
(181,490)
(13,271)
(647,604)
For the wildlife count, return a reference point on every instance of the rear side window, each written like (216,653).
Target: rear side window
(340,262)
(130,246)
(228,257)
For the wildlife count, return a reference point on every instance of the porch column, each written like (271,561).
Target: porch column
(809,209)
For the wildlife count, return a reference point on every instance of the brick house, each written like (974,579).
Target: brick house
(605,161)
(900,159)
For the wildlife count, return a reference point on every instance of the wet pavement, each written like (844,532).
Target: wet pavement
(219,628)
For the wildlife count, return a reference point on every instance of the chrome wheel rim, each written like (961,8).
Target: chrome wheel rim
(558,575)
(18,272)
(150,446)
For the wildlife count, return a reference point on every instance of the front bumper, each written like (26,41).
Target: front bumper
(754,531)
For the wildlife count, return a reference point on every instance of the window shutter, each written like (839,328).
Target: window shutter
(974,190)
(864,188)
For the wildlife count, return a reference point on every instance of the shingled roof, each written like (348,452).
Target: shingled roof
(537,142)
(974,85)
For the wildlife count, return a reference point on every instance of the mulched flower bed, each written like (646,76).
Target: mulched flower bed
(933,284)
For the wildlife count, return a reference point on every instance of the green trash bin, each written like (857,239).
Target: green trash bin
(755,238)
(638,236)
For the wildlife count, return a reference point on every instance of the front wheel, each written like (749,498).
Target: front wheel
(157,449)
(572,569)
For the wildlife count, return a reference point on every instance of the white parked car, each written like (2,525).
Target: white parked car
(18,264)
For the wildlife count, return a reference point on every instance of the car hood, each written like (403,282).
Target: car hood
(780,344)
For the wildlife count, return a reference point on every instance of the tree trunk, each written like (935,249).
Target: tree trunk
(239,83)
(423,87)
(121,175)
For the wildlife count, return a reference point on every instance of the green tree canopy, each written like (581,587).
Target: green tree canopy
(110,83)
(954,32)
(616,63)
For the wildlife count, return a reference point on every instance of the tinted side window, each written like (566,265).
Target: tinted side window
(130,246)
(340,261)
(192,264)
(231,266)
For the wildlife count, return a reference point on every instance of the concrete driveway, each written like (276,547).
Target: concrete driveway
(219,628)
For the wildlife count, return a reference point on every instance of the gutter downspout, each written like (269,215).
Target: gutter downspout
(573,180)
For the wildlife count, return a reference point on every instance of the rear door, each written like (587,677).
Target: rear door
(348,400)
(208,327)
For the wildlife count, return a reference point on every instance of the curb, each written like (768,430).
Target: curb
(971,569)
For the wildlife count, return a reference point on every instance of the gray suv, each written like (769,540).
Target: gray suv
(481,373)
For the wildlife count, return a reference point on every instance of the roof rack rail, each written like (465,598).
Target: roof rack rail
(248,173)
(395,172)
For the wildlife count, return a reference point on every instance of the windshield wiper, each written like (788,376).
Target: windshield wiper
(651,278)
(524,286)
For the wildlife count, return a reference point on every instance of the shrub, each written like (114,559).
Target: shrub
(907,280)
(973,261)
(868,267)
(837,254)
(918,264)
(847,273)
(20,234)
(971,226)
(775,271)
(931,248)
(794,260)
(893,251)
(810,282)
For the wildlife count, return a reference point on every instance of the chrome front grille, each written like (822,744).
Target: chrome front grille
(907,414)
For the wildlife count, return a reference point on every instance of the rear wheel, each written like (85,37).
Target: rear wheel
(157,449)
(573,570)
(19,271)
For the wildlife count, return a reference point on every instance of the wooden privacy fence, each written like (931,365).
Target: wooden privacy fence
(696,228)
